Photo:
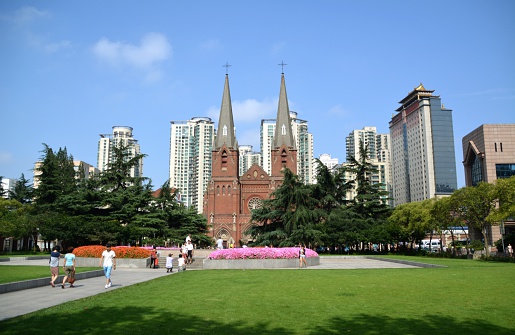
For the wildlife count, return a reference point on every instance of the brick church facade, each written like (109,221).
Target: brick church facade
(229,198)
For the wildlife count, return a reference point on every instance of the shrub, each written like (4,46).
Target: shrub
(259,253)
(121,252)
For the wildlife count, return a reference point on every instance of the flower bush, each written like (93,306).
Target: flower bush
(259,253)
(121,252)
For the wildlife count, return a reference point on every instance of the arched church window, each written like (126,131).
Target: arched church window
(224,130)
(283,130)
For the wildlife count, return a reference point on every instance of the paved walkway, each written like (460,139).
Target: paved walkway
(26,301)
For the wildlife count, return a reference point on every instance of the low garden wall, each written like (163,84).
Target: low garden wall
(135,263)
(277,263)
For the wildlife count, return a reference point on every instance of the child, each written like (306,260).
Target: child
(169,263)
(182,267)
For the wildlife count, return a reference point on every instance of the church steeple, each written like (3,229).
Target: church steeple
(226,134)
(283,132)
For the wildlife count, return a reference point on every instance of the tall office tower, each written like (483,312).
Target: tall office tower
(123,135)
(303,141)
(191,143)
(423,158)
(248,158)
(378,153)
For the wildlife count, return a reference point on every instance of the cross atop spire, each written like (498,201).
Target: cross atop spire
(227,66)
(282,66)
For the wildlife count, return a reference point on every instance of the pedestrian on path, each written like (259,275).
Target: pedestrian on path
(302,257)
(54,264)
(69,266)
(108,262)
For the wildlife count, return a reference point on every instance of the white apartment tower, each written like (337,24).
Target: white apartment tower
(303,141)
(378,153)
(123,135)
(422,141)
(191,143)
(248,158)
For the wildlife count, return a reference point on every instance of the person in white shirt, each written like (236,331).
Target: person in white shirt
(180,261)
(189,247)
(169,263)
(108,261)
(220,244)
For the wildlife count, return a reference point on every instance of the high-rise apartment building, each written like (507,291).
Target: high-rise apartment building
(248,157)
(378,153)
(121,135)
(422,147)
(328,161)
(303,140)
(191,143)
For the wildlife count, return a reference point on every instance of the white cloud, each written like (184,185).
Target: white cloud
(211,44)
(55,47)
(25,16)
(339,111)
(154,48)
(247,111)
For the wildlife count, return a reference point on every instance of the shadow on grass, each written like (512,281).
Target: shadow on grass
(138,320)
(431,324)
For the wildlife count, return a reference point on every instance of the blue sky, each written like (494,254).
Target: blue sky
(71,70)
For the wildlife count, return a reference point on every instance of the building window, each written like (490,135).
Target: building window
(505,170)
(476,171)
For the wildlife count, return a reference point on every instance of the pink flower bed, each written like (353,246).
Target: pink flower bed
(259,253)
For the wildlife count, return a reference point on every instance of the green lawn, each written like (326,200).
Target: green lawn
(13,273)
(466,297)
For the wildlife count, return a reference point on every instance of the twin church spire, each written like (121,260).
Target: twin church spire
(226,133)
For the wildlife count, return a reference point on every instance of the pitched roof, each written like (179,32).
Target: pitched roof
(225,133)
(283,131)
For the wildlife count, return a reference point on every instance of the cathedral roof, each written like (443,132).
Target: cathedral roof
(225,133)
(283,131)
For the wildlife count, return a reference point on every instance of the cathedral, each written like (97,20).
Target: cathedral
(230,198)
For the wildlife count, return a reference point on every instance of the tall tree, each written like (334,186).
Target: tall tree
(289,216)
(371,198)
(22,191)
(474,204)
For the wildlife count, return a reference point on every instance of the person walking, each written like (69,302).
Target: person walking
(68,266)
(54,264)
(108,262)
(302,257)
(510,250)
(219,243)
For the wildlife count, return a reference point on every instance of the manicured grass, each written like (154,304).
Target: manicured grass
(13,273)
(466,297)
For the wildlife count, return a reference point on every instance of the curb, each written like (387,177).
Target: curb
(33,283)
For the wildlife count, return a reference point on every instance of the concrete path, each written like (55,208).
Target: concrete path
(30,300)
